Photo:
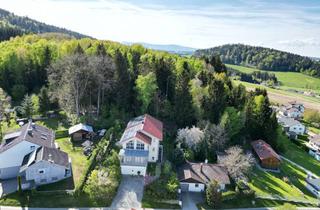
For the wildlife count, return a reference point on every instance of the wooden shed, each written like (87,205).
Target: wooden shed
(80,132)
(268,158)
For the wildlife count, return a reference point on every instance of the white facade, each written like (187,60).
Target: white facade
(196,187)
(297,128)
(44,172)
(11,159)
(133,170)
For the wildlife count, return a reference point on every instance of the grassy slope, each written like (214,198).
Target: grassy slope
(288,80)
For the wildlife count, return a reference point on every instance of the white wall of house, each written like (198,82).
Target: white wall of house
(193,187)
(298,129)
(11,159)
(133,170)
(44,172)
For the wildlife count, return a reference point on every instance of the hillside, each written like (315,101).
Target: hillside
(263,58)
(12,25)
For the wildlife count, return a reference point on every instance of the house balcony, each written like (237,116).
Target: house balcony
(132,157)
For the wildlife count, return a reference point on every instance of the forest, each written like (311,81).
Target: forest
(263,58)
(12,25)
(105,83)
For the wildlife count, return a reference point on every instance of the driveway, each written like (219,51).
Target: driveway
(190,200)
(129,193)
(8,186)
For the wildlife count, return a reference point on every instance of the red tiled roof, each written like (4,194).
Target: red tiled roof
(264,150)
(143,137)
(153,126)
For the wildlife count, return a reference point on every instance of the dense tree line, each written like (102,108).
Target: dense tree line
(263,58)
(13,25)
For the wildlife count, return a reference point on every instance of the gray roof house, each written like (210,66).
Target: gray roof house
(29,146)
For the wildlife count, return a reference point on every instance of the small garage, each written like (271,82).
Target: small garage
(80,132)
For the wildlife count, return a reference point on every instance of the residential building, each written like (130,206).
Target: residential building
(268,158)
(80,132)
(313,185)
(46,165)
(292,125)
(314,146)
(140,144)
(16,145)
(194,177)
(292,110)
(30,152)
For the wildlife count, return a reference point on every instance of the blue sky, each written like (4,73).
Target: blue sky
(290,25)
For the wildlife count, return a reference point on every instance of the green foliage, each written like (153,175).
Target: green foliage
(146,88)
(44,100)
(213,195)
(35,103)
(287,206)
(27,107)
(233,121)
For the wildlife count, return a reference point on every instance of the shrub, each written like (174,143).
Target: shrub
(61,134)
(213,195)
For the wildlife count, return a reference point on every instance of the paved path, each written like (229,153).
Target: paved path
(190,200)
(129,193)
(299,166)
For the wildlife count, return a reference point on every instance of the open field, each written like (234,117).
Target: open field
(288,80)
(283,97)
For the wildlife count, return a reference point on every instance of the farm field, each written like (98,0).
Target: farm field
(288,80)
(283,97)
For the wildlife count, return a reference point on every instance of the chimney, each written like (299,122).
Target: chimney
(50,158)
(206,161)
(201,166)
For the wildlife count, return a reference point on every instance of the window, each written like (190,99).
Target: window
(153,149)
(140,146)
(43,180)
(41,171)
(54,178)
(32,147)
(130,145)
(196,185)
(152,158)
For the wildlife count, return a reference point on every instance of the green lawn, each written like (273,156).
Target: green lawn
(152,203)
(44,200)
(79,160)
(299,156)
(289,80)
(247,203)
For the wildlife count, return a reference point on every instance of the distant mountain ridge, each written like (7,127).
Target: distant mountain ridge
(172,48)
(12,25)
(263,58)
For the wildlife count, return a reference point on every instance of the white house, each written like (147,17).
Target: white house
(291,125)
(140,144)
(194,177)
(46,165)
(314,146)
(30,152)
(292,110)
(15,146)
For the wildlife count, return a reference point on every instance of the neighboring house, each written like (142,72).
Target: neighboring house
(16,145)
(194,177)
(313,185)
(46,165)
(31,153)
(80,132)
(268,158)
(292,125)
(314,146)
(140,144)
(293,110)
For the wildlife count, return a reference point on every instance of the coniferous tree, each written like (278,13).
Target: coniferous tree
(184,110)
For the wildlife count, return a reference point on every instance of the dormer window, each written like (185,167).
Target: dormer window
(130,145)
